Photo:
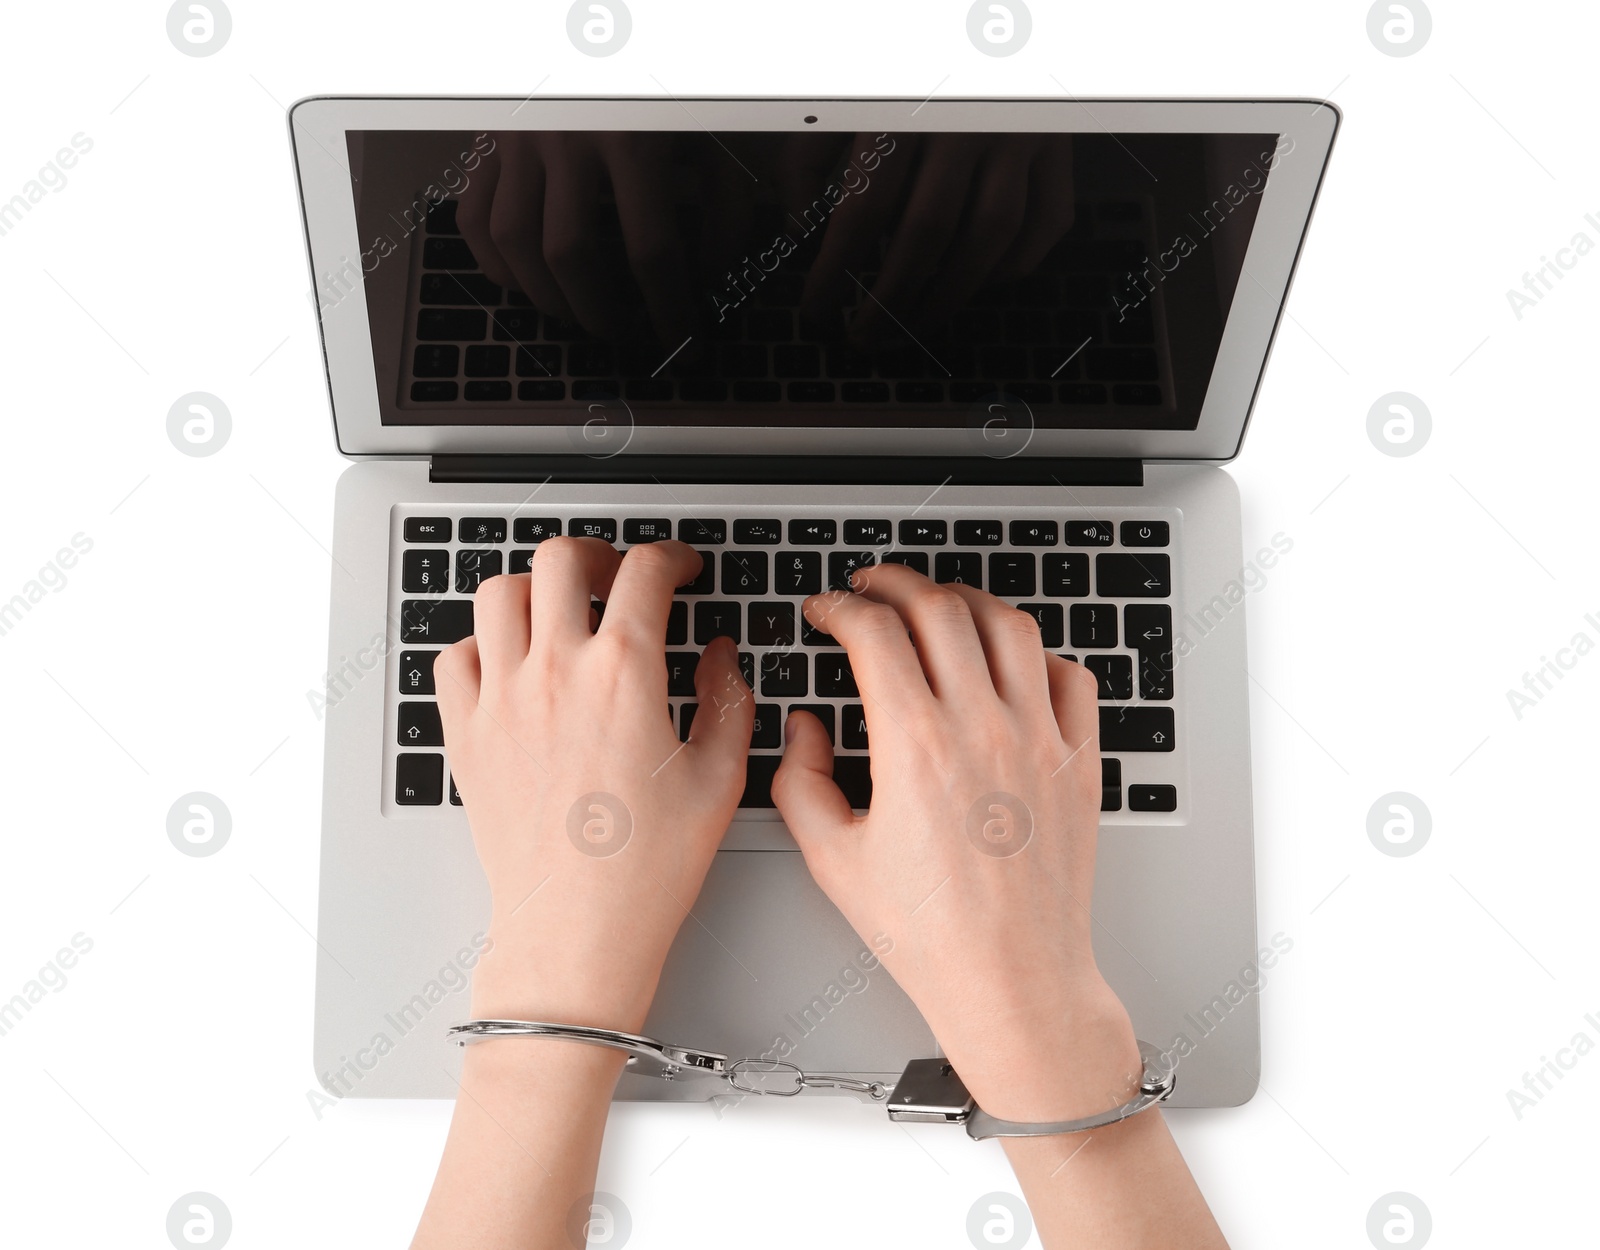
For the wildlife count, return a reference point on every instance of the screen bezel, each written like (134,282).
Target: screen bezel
(318,128)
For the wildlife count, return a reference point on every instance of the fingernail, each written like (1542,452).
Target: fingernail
(788,730)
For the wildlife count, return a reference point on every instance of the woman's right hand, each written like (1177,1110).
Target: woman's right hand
(976,859)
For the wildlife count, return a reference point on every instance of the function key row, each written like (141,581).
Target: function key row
(803,532)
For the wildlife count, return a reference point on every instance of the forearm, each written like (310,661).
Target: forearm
(1125,1187)
(523,1146)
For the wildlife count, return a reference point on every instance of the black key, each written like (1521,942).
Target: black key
(822,711)
(518,325)
(1136,729)
(864,392)
(744,360)
(978,533)
(784,674)
(1066,575)
(418,725)
(447,253)
(678,624)
(697,530)
(1115,674)
(853,775)
(455,795)
(686,720)
(867,533)
(593,527)
(1155,676)
(451,325)
(1149,627)
(1094,625)
(759,532)
(1110,785)
(758,780)
(797,573)
(486,392)
(802,360)
(965,567)
(425,571)
(853,727)
(834,678)
(1152,798)
(482,529)
(1012,573)
(485,361)
(911,559)
(771,625)
(433,392)
(416,671)
(1090,533)
(811,636)
(744,572)
(428,529)
(419,780)
(539,360)
(812,533)
(637,530)
(704,582)
(1033,533)
(521,562)
(541,392)
(744,392)
(473,566)
(919,392)
(680,672)
(1051,622)
(535,529)
(470,290)
(439,621)
(747,668)
(915,533)
(842,564)
(713,619)
(1133,577)
(767,732)
(1145,534)
(436,360)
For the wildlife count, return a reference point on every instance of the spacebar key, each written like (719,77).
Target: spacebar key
(1135,729)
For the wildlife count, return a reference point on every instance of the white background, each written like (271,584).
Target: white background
(1419,590)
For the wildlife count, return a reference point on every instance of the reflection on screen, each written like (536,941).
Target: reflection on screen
(897,279)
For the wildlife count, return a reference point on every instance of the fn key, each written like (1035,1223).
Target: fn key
(419,780)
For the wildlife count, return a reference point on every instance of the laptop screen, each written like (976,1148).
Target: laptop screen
(799,278)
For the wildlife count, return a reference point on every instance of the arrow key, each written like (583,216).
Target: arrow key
(416,671)
(419,725)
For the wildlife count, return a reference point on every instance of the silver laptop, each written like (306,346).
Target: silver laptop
(1007,343)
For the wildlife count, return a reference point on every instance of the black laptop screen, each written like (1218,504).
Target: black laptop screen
(806,279)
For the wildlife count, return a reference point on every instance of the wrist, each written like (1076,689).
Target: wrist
(1066,1064)
(523,980)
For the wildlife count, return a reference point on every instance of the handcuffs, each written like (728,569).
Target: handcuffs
(928,1091)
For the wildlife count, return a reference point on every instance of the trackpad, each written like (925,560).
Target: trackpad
(772,971)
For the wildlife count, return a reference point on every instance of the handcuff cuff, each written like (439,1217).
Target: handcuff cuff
(928,1091)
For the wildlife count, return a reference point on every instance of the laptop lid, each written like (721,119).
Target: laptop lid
(1062,278)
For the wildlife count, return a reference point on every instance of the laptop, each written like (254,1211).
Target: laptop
(1006,342)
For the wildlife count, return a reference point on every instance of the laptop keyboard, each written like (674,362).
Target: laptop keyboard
(1101,590)
(1049,338)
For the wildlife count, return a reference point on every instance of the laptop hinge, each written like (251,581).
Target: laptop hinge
(791,470)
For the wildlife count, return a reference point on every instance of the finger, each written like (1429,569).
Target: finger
(472,216)
(1012,647)
(640,178)
(853,228)
(500,624)
(932,212)
(1051,209)
(1075,699)
(567,573)
(874,636)
(947,644)
(721,730)
(641,594)
(517,227)
(573,247)
(996,217)
(804,792)
(457,677)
